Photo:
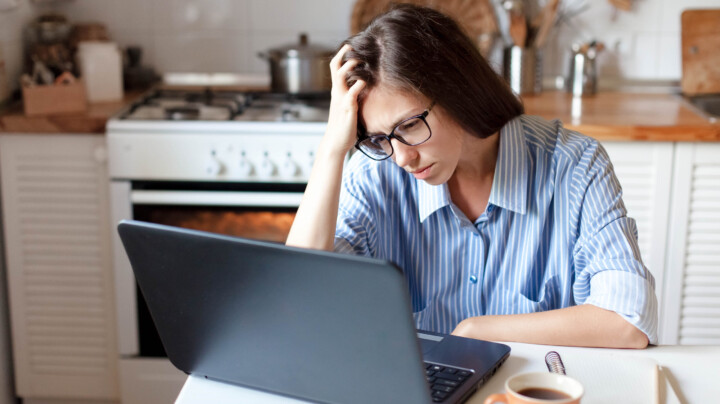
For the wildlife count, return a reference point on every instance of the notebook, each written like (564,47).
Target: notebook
(318,326)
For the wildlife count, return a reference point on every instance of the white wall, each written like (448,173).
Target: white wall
(225,35)
(214,35)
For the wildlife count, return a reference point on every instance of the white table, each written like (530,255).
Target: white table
(693,372)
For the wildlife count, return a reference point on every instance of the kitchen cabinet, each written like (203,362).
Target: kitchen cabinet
(57,242)
(673,192)
(692,304)
(645,174)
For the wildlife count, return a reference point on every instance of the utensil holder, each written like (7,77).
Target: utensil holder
(522,69)
(582,75)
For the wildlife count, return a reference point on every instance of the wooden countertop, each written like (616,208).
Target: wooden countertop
(625,116)
(605,116)
(92,121)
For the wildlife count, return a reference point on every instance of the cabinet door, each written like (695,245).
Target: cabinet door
(644,170)
(57,235)
(692,311)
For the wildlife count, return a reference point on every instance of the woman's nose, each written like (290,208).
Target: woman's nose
(402,153)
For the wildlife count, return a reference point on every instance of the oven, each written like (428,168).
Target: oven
(236,176)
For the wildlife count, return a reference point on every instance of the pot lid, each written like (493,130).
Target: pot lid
(301,49)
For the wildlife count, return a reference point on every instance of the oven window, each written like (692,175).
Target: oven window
(255,223)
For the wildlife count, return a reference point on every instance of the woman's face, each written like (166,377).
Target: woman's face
(433,161)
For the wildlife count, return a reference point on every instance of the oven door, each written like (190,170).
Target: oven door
(263,212)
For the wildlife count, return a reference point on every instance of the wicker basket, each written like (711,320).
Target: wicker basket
(476,17)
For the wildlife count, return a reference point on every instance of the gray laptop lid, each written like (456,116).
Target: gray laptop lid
(309,324)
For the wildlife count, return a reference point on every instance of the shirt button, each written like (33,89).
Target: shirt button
(473,278)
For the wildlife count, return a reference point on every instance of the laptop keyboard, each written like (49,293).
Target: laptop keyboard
(444,380)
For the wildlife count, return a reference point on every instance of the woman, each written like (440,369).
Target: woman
(508,227)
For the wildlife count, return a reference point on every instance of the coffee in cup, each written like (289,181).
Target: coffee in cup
(541,387)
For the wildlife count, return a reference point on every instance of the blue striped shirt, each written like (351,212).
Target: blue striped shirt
(555,233)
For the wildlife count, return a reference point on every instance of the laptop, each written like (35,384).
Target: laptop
(318,326)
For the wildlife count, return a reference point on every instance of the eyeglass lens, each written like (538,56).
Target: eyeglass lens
(411,132)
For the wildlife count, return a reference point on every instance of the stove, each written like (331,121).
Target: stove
(217,136)
(176,105)
(227,162)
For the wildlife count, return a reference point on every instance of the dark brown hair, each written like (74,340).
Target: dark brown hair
(420,51)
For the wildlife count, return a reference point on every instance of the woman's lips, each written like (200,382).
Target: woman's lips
(422,173)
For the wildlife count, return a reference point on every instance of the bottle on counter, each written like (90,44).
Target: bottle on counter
(100,66)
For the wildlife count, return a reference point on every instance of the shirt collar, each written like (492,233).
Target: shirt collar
(431,198)
(510,183)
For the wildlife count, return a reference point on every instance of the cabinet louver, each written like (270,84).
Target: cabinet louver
(700,313)
(57,231)
(646,176)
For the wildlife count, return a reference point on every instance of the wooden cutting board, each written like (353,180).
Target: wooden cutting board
(476,17)
(700,52)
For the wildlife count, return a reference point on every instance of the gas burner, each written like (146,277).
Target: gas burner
(178,105)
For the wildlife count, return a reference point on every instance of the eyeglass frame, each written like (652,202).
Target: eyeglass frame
(392,134)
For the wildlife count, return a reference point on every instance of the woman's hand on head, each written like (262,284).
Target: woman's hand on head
(342,121)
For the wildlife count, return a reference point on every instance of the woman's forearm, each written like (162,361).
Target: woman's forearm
(314,224)
(584,325)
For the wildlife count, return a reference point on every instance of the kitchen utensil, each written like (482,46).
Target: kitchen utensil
(300,67)
(49,28)
(522,69)
(41,74)
(476,17)
(548,14)
(700,51)
(518,27)
(625,5)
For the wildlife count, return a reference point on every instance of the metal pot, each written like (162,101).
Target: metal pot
(299,68)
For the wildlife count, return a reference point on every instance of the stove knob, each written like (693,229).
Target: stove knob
(245,168)
(267,167)
(213,167)
(289,168)
(309,162)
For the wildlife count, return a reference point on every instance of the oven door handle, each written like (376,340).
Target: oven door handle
(214,198)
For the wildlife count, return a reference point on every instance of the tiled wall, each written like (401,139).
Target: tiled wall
(226,35)
(215,35)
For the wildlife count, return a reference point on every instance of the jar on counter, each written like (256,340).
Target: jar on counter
(100,66)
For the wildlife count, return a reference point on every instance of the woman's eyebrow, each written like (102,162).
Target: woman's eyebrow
(405,116)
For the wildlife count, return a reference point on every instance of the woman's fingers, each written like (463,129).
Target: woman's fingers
(355,90)
(342,72)
(336,61)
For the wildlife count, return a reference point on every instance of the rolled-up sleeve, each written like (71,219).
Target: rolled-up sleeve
(609,272)
(355,228)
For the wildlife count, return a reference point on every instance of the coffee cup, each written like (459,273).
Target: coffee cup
(541,387)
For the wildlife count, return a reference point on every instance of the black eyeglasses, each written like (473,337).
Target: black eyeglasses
(411,131)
